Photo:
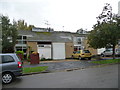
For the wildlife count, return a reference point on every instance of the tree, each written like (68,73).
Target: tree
(106,32)
(22,25)
(9,34)
(30,27)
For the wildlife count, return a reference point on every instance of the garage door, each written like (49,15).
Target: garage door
(58,50)
(44,51)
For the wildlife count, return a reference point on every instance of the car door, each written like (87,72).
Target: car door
(8,63)
(77,54)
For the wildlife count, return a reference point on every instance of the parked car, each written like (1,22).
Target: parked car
(81,54)
(110,53)
(11,67)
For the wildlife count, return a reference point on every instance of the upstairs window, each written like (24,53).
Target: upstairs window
(19,37)
(24,37)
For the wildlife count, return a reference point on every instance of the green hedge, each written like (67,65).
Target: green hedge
(20,52)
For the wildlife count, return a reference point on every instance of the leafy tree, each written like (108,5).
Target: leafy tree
(106,32)
(22,25)
(30,27)
(9,34)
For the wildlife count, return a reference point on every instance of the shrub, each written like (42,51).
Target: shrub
(20,52)
(44,59)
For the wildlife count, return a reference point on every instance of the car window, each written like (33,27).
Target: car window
(86,51)
(108,51)
(78,51)
(7,58)
(0,60)
(74,52)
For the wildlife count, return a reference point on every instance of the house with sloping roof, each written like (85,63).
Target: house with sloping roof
(50,45)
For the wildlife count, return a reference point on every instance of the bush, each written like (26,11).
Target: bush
(44,59)
(20,52)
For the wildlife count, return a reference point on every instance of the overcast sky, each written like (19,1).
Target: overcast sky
(72,14)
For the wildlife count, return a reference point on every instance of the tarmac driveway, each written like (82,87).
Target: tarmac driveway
(59,65)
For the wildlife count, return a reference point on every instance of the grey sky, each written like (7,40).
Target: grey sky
(72,14)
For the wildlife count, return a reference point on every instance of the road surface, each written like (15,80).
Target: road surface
(100,77)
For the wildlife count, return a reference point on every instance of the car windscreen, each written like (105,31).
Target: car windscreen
(86,51)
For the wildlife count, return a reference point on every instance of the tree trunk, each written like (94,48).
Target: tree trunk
(113,51)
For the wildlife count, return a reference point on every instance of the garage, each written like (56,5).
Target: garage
(58,50)
(44,50)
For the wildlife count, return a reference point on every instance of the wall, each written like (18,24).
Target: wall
(69,48)
(33,46)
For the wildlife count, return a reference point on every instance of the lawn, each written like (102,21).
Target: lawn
(107,61)
(34,69)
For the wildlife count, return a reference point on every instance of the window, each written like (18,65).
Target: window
(86,51)
(24,37)
(24,50)
(19,42)
(24,42)
(79,40)
(40,45)
(7,59)
(19,37)
(75,48)
(18,48)
(78,52)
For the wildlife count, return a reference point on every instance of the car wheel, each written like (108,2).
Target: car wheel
(79,58)
(72,57)
(102,55)
(89,58)
(7,78)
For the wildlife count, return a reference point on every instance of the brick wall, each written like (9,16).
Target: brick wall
(33,46)
(69,48)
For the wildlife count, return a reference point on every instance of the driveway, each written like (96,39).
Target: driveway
(59,65)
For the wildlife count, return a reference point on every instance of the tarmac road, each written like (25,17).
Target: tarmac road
(99,77)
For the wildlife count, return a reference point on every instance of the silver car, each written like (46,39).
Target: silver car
(110,53)
(11,67)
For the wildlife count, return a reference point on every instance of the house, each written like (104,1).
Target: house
(50,45)
(78,41)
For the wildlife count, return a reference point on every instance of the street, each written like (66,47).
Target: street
(99,77)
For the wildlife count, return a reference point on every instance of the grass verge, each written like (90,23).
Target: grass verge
(34,69)
(111,61)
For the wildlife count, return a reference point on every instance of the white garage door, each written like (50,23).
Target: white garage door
(58,50)
(44,51)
